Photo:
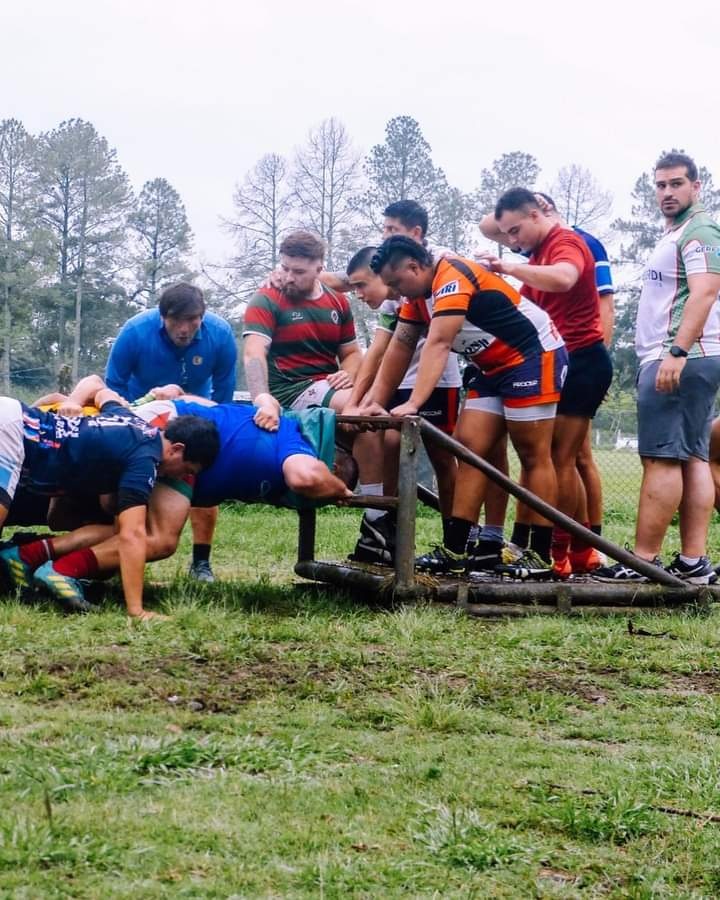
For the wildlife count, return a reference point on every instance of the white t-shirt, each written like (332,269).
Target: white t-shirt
(691,246)
(387,321)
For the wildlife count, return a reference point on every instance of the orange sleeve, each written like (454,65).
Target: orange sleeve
(451,291)
(409,312)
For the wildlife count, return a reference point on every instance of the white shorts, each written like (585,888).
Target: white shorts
(318,394)
(12,449)
(511,413)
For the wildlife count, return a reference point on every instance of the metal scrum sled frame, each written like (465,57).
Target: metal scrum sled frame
(488,596)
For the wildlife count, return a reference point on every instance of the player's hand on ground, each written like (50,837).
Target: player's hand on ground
(668,375)
(404,409)
(167,392)
(268,412)
(145,615)
(339,380)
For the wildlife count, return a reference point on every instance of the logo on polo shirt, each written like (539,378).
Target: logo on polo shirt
(197,360)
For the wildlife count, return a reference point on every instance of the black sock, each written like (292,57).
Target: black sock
(520,534)
(541,539)
(596,529)
(456,533)
(201,553)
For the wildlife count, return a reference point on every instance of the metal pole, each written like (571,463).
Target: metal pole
(306,535)
(654,573)
(407,504)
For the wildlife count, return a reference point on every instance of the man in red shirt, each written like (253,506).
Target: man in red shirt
(560,278)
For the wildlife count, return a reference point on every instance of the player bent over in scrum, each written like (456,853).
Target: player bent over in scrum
(520,362)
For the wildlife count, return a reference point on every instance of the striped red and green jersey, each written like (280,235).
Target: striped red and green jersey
(304,335)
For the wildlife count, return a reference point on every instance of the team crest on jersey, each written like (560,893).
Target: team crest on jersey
(452,287)
(197,360)
(296,315)
(335,317)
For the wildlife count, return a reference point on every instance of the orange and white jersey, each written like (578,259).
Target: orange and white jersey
(501,328)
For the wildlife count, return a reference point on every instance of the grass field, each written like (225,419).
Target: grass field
(274,740)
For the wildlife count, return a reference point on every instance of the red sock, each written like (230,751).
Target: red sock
(79,564)
(36,553)
(577,545)
(560,543)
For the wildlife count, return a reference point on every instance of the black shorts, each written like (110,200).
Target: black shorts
(589,375)
(440,409)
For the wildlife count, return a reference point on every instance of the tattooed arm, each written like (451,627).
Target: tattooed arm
(256,375)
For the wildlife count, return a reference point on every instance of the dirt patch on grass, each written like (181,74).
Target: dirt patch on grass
(193,681)
(571,685)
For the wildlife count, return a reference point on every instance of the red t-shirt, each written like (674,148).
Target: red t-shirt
(576,312)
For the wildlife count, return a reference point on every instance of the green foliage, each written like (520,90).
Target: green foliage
(163,238)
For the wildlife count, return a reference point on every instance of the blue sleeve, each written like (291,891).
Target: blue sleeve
(603,275)
(121,362)
(224,376)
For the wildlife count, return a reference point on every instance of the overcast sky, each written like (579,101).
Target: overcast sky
(197,92)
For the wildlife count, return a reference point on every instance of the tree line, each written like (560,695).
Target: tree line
(80,252)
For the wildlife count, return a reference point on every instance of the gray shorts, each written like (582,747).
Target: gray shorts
(677,425)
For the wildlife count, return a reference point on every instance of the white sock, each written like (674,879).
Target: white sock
(372,490)
(690,560)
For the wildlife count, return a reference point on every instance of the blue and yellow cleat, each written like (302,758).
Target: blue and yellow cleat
(18,572)
(66,590)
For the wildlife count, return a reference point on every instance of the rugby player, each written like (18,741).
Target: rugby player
(296,465)
(183,343)
(519,364)
(113,452)
(560,278)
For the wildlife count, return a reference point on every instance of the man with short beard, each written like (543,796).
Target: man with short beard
(678,346)
(300,348)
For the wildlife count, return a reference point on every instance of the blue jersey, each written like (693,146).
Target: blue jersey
(249,464)
(143,357)
(603,276)
(114,452)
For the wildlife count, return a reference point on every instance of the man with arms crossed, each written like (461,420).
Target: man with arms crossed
(181,343)
(678,346)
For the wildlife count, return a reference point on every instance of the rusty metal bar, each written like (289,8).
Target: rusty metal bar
(306,534)
(366,500)
(549,512)
(407,506)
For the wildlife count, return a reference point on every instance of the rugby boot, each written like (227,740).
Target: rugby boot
(66,590)
(201,571)
(528,565)
(19,573)
(484,555)
(441,561)
(584,562)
